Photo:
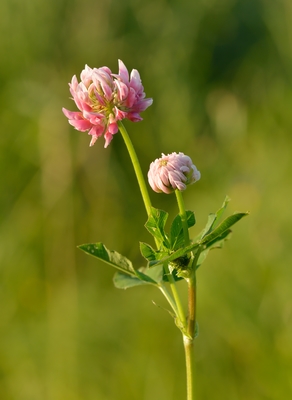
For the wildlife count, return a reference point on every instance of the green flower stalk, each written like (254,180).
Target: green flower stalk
(137,168)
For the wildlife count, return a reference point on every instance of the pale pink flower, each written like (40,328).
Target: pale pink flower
(104,98)
(172,171)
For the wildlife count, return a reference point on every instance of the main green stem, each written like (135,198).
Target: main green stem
(137,168)
(188,338)
(189,355)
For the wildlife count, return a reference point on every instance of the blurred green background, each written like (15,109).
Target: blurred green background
(220,74)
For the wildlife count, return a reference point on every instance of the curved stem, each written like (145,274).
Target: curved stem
(180,310)
(137,168)
(169,298)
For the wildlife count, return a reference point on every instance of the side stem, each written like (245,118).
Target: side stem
(180,311)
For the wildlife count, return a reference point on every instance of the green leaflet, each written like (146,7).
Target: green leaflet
(176,230)
(110,257)
(124,281)
(213,219)
(148,252)
(156,224)
(224,226)
(145,276)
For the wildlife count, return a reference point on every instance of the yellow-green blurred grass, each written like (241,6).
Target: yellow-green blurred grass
(219,73)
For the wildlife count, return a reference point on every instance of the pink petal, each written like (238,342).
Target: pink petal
(86,75)
(71,114)
(134,117)
(96,130)
(130,101)
(106,70)
(123,72)
(135,81)
(119,114)
(74,83)
(123,90)
(112,126)
(108,138)
(76,119)
(93,140)
(94,118)
(101,79)
(141,105)
(81,125)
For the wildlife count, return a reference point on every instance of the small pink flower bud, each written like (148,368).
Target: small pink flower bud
(172,171)
(104,98)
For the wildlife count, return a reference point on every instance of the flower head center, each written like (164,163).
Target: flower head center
(163,162)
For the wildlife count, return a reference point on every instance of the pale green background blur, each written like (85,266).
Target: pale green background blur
(220,74)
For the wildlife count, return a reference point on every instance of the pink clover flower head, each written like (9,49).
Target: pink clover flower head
(104,98)
(172,171)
